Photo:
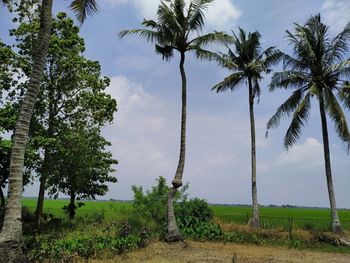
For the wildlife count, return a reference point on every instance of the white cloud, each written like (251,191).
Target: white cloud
(336,13)
(221,14)
(308,155)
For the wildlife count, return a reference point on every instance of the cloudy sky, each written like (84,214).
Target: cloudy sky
(145,133)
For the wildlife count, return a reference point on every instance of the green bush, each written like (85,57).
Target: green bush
(88,242)
(150,207)
(190,213)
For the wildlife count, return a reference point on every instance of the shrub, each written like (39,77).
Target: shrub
(151,205)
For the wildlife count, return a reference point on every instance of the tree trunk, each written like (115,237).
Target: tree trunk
(173,231)
(45,173)
(12,227)
(71,206)
(2,199)
(41,197)
(336,227)
(254,221)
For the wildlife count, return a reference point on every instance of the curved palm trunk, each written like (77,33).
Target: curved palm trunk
(336,227)
(12,227)
(254,221)
(173,231)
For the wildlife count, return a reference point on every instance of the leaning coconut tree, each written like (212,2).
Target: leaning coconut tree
(319,69)
(248,64)
(173,31)
(11,234)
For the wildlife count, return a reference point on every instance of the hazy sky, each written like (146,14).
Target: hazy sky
(145,134)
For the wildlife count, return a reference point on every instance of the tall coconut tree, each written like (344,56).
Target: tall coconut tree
(173,31)
(317,70)
(11,234)
(248,65)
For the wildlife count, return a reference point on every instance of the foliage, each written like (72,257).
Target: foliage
(87,241)
(318,69)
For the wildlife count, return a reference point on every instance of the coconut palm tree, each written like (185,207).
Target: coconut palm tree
(248,64)
(172,32)
(317,70)
(11,234)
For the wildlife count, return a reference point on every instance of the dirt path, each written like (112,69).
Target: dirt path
(190,252)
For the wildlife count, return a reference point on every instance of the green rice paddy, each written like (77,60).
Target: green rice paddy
(271,217)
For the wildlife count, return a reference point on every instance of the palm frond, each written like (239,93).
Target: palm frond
(290,63)
(83,8)
(149,35)
(285,110)
(271,57)
(344,94)
(339,46)
(230,82)
(195,16)
(337,115)
(167,18)
(222,61)
(167,52)
(288,79)
(211,38)
(300,118)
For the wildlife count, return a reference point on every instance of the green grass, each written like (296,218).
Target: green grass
(271,217)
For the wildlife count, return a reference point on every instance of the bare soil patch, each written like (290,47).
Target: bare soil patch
(215,252)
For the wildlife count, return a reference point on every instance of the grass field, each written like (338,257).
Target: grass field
(271,217)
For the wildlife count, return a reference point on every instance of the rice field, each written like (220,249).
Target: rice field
(271,217)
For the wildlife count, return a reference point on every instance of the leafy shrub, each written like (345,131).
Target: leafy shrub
(88,242)
(190,213)
(151,205)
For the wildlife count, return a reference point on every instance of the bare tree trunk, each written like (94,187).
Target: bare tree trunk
(41,197)
(71,206)
(336,227)
(2,199)
(12,227)
(255,220)
(173,231)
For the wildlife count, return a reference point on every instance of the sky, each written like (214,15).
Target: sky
(145,134)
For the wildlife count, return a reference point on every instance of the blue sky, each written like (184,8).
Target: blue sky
(145,133)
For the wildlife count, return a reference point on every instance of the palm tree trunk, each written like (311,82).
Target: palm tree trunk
(336,227)
(12,227)
(173,231)
(254,221)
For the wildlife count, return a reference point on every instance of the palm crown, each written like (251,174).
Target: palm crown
(246,61)
(174,27)
(316,70)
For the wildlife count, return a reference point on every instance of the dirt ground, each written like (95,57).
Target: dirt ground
(190,252)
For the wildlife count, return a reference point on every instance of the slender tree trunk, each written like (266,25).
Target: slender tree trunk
(336,227)
(45,172)
(173,234)
(41,196)
(2,199)
(11,235)
(71,206)
(254,221)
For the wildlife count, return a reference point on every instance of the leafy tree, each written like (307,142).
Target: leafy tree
(82,165)
(317,70)
(11,233)
(72,88)
(248,64)
(172,32)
